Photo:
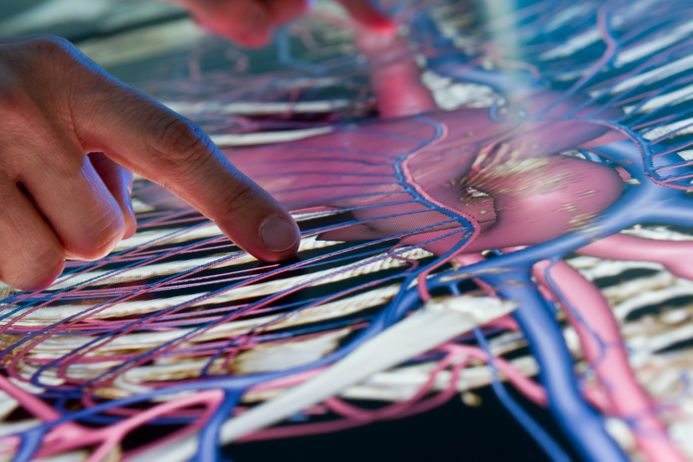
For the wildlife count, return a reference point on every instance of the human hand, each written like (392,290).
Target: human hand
(251,22)
(57,202)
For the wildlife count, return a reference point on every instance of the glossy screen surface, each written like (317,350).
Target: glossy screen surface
(498,196)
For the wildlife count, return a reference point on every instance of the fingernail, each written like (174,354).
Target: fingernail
(278,233)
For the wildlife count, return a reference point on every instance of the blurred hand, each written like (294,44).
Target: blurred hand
(251,22)
(57,201)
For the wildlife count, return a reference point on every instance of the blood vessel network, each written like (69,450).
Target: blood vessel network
(501,202)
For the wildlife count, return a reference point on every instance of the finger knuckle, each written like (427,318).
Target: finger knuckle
(178,144)
(51,47)
(35,270)
(45,63)
(106,235)
(99,237)
(241,197)
(35,66)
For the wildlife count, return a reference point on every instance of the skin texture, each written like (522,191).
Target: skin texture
(59,201)
(70,134)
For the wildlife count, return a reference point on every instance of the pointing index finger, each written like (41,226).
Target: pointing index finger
(159,144)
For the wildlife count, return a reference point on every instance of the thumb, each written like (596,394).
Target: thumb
(155,142)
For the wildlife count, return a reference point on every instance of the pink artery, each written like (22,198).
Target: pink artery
(590,315)
(503,175)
